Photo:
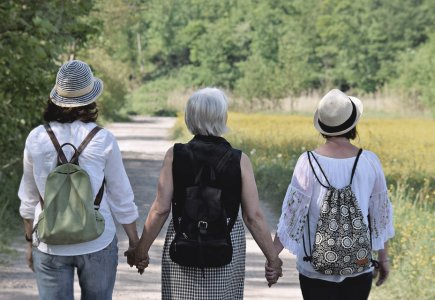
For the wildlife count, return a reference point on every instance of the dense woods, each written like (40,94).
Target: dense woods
(261,50)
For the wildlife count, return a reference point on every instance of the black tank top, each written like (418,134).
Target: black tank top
(207,150)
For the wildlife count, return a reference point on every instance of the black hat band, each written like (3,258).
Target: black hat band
(349,122)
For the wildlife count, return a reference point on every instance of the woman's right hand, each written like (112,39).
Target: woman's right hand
(382,272)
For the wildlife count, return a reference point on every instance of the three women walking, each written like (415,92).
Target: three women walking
(208,188)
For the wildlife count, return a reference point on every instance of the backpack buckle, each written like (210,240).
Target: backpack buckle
(202,225)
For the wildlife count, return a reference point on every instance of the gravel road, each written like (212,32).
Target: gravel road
(143,144)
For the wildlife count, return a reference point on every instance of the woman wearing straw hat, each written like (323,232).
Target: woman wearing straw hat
(317,175)
(71,113)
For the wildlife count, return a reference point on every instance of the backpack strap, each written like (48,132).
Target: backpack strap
(307,257)
(220,167)
(310,256)
(321,170)
(88,138)
(75,160)
(354,165)
(60,153)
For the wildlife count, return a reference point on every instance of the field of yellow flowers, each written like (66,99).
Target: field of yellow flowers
(406,149)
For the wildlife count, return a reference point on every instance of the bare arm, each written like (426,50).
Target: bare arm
(131,231)
(160,209)
(252,214)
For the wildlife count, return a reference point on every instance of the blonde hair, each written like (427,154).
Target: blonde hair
(206,112)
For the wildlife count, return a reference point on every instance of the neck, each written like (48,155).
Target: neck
(339,141)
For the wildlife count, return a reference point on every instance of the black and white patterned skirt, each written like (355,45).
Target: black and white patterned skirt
(221,283)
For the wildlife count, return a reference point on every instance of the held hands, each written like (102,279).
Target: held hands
(273,270)
(136,257)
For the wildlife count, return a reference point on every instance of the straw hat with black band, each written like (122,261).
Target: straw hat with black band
(75,85)
(337,113)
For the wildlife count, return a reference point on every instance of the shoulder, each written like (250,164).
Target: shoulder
(244,159)
(371,157)
(35,132)
(303,160)
(36,135)
(170,153)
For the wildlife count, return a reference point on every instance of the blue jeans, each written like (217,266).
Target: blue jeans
(96,272)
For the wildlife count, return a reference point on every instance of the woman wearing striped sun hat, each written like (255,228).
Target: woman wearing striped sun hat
(71,113)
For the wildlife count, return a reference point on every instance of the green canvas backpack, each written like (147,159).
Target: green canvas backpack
(69,213)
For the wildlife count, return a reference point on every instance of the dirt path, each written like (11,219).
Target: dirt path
(143,144)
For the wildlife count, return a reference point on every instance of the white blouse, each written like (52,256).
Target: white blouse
(305,195)
(100,159)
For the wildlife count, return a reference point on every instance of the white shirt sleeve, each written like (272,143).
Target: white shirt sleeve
(118,188)
(28,191)
(380,209)
(296,205)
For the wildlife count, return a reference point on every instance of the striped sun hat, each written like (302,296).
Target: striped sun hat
(75,85)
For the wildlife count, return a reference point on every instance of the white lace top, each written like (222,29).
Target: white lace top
(304,195)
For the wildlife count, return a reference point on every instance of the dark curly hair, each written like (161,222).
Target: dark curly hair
(87,113)
(351,134)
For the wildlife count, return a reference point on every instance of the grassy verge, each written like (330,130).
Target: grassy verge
(411,250)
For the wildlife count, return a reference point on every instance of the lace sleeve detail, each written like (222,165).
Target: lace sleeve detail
(381,219)
(292,221)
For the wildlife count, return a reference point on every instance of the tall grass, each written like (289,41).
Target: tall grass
(411,250)
(407,152)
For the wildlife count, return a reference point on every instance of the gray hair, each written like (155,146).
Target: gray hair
(206,112)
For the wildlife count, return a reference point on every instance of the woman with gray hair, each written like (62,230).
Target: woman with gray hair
(204,180)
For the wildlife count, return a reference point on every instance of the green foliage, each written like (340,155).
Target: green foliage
(152,97)
(417,74)
(165,112)
(266,50)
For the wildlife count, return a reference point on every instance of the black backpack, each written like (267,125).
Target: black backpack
(342,243)
(202,228)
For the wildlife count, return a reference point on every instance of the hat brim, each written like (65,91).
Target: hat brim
(90,97)
(359,111)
